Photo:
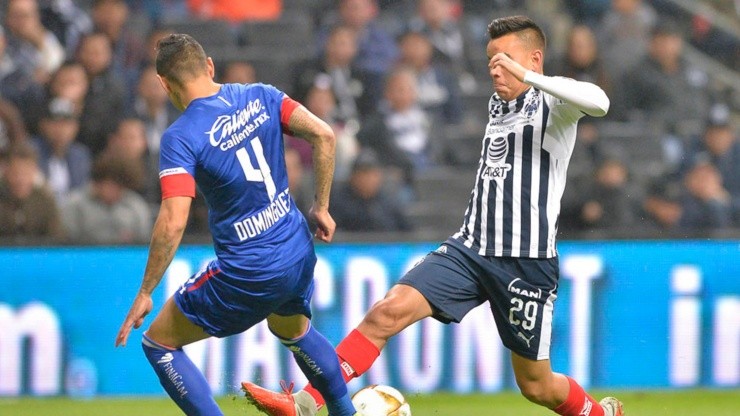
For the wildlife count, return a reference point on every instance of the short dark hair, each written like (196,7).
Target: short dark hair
(180,57)
(527,30)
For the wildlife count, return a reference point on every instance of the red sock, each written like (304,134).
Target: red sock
(356,355)
(579,403)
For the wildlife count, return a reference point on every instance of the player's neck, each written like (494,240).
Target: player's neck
(199,89)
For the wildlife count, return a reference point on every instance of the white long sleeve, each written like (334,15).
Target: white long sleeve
(587,97)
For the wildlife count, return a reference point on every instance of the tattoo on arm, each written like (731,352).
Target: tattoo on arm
(315,131)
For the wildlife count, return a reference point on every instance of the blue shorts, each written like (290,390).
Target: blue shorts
(521,291)
(225,305)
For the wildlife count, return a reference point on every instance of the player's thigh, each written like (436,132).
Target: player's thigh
(171,328)
(521,293)
(530,371)
(402,306)
(447,280)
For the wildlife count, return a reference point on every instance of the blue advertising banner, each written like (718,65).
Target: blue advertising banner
(628,314)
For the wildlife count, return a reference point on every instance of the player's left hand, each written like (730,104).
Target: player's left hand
(503,60)
(141,307)
(325,225)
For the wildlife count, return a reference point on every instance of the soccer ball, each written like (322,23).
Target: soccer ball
(379,400)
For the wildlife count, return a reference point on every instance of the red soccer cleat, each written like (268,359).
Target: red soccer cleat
(270,402)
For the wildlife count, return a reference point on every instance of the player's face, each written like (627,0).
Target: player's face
(504,83)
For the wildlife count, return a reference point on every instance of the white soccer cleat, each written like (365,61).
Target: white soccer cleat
(611,406)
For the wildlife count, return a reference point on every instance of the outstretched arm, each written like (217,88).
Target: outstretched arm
(585,96)
(166,237)
(309,127)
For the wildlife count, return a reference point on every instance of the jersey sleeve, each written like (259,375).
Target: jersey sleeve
(176,167)
(583,96)
(286,106)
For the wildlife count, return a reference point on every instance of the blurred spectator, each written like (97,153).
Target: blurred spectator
(376,50)
(29,43)
(27,209)
(64,162)
(336,68)
(12,130)
(588,12)
(106,97)
(582,60)
(623,35)
(299,182)
(17,83)
(110,17)
(320,101)
(362,204)
(152,106)
(719,146)
(706,204)
(435,19)
(66,20)
(438,91)
(715,42)
(663,88)
(236,11)
(108,211)
(69,82)
(698,201)
(606,201)
(239,72)
(400,131)
(129,142)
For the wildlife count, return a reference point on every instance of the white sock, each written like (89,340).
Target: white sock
(305,405)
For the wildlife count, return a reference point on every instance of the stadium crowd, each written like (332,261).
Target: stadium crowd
(404,84)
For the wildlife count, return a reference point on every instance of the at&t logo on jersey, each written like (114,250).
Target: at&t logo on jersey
(229,125)
(496,166)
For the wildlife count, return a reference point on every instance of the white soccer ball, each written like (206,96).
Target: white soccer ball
(380,400)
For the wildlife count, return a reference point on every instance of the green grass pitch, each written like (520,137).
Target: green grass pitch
(642,403)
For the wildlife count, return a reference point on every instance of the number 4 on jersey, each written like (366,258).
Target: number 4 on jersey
(257,175)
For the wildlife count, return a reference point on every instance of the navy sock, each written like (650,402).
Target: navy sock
(318,361)
(181,379)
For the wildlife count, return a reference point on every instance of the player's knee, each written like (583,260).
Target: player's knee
(535,391)
(387,317)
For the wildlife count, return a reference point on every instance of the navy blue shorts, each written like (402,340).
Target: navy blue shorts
(521,292)
(224,305)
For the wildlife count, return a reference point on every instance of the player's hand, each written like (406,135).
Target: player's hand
(504,61)
(141,307)
(325,225)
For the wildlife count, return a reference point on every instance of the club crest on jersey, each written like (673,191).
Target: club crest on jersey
(532,104)
(496,166)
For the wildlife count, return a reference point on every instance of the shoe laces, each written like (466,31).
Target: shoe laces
(287,388)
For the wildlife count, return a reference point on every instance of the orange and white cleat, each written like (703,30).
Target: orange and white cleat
(270,402)
(611,406)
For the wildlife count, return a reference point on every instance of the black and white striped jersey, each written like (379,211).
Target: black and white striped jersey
(514,206)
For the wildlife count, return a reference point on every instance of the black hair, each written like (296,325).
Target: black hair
(527,30)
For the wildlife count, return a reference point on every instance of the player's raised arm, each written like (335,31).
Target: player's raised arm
(166,237)
(309,127)
(585,96)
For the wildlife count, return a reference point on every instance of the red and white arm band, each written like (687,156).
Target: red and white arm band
(176,182)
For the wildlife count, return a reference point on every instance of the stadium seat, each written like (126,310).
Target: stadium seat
(210,33)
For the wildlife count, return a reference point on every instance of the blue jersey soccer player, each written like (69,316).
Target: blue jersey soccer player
(229,142)
(505,250)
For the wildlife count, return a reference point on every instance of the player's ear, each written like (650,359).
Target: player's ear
(211,67)
(163,82)
(536,60)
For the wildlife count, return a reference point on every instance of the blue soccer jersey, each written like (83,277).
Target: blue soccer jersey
(231,145)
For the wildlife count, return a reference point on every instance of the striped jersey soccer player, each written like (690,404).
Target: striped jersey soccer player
(229,141)
(504,252)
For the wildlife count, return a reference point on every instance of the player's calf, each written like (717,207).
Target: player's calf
(181,379)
